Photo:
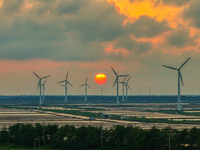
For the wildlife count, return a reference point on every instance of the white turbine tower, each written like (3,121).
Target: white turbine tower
(116,81)
(179,78)
(86,85)
(43,89)
(66,83)
(39,85)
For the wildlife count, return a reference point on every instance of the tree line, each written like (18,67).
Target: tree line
(91,137)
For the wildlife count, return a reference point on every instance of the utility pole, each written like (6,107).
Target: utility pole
(101,135)
(39,143)
(169,141)
(169,137)
(34,143)
(44,132)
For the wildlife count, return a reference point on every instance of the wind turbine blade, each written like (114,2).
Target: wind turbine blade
(36,75)
(180,78)
(115,82)
(124,79)
(123,75)
(89,86)
(69,84)
(62,85)
(128,86)
(38,85)
(82,85)
(184,63)
(45,77)
(44,88)
(170,67)
(67,75)
(114,71)
(128,79)
(44,81)
(61,82)
(86,81)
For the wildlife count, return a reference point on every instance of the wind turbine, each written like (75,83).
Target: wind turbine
(102,90)
(116,81)
(179,78)
(43,88)
(39,85)
(123,84)
(66,82)
(86,85)
(141,90)
(150,89)
(127,86)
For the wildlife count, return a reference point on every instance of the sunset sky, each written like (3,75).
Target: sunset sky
(86,37)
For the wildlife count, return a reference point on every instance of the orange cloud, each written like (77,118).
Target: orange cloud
(1,3)
(148,7)
(109,49)
(171,13)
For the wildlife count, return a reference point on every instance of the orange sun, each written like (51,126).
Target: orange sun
(100,78)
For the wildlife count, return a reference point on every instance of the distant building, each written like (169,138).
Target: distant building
(125,117)
(103,115)
(91,118)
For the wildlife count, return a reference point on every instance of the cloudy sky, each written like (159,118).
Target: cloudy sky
(86,37)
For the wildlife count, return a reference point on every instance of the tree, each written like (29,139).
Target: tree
(4,135)
(14,136)
(50,130)
(194,138)
(28,134)
(63,137)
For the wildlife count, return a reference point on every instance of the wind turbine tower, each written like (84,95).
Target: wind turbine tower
(116,82)
(39,86)
(66,83)
(86,85)
(179,79)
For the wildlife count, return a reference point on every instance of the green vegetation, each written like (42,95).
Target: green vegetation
(118,117)
(85,112)
(188,113)
(74,112)
(21,137)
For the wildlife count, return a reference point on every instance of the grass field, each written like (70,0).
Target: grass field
(79,115)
